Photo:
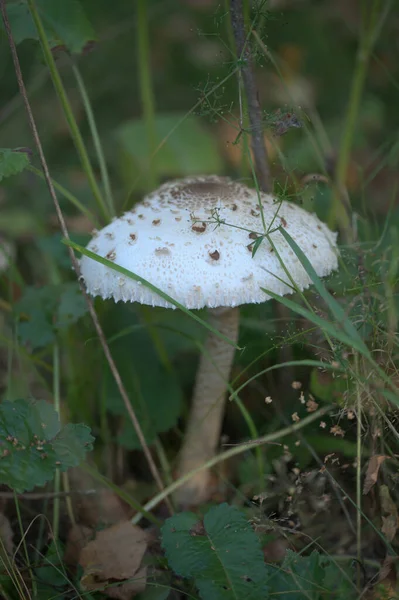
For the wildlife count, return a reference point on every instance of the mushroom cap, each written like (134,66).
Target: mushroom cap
(193,239)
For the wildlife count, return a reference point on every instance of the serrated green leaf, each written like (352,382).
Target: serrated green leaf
(65,23)
(33,444)
(12,162)
(222,554)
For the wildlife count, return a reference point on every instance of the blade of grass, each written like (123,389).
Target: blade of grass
(96,140)
(335,308)
(69,116)
(319,321)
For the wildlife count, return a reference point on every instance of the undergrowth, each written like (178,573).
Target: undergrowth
(306,501)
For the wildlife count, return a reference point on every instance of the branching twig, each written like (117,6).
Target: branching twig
(251,92)
(72,256)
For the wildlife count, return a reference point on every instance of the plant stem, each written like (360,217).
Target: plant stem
(358,477)
(254,110)
(266,439)
(96,140)
(68,113)
(146,91)
(57,406)
(340,207)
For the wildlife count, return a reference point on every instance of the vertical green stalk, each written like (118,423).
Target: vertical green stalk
(57,406)
(69,116)
(146,91)
(358,477)
(96,140)
(339,214)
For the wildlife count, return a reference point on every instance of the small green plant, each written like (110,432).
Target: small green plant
(222,554)
(33,445)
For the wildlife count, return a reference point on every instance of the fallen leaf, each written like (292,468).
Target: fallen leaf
(113,557)
(78,537)
(100,509)
(388,506)
(372,472)
(389,526)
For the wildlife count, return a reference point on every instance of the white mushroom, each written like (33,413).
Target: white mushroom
(193,238)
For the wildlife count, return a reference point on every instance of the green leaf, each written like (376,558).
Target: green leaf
(222,553)
(12,162)
(153,390)
(44,311)
(33,444)
(65,23)
(325,386)
(178,156)
(72,305)
(313,577)
(68,21)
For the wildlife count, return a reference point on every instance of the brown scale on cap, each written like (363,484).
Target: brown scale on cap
(162,251)
(199,228)
(215,255)
(156,221)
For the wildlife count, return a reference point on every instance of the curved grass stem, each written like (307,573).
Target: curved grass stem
(68,113)
(96,140)
(266,439)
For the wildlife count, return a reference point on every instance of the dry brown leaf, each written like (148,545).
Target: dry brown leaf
(115,556)
(389,526)
(388,506)
(78,537)
(103,508)
(372,472)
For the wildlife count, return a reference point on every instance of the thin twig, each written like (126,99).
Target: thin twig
(251,92)
(74,261)
(48,495)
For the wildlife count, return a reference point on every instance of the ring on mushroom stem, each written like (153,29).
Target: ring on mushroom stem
(206,263)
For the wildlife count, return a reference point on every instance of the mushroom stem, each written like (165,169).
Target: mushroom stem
(207,411)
